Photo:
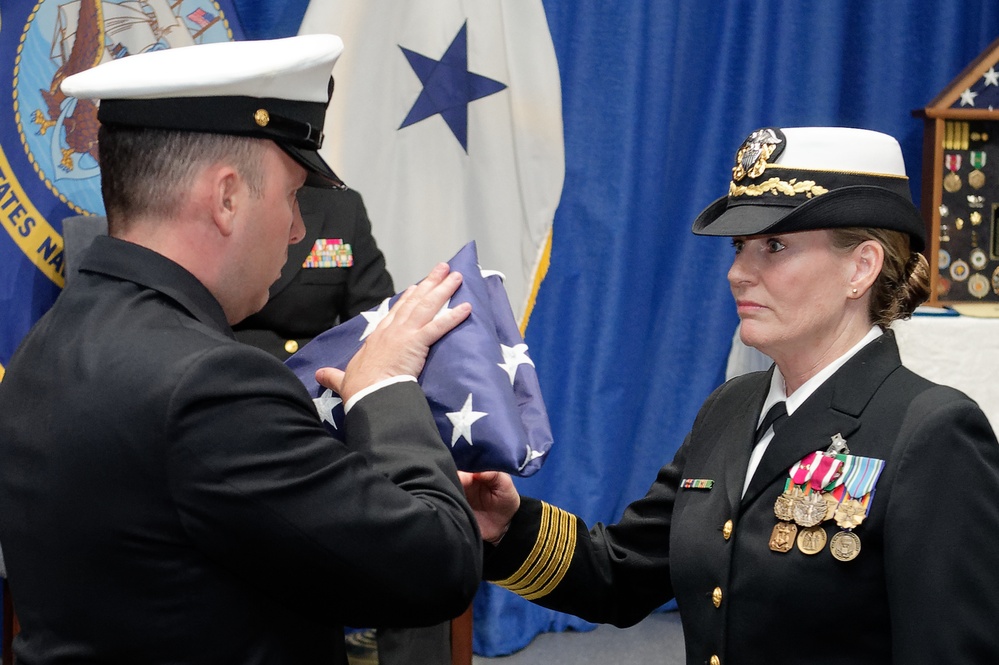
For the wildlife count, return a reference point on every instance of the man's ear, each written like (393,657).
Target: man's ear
(226,187)
(868,257)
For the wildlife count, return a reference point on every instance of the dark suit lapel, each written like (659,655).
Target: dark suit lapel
(742,431)
(810,428)
(314,219)
(834,408)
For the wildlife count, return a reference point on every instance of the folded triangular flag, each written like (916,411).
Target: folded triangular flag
(480,382)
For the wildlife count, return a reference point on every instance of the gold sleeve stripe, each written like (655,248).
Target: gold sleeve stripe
(549,559)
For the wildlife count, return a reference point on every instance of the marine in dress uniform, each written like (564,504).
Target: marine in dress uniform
(865,532)
(169,493)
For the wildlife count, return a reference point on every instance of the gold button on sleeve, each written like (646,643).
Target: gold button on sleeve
(716,596)
(715,660)
(291,346)
(727,530)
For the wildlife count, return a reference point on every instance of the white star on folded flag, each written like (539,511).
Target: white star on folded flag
(463,421)
(374,317)
(968,97)
(531,456)
(485,356)
(325,404)
(983,93)
(513,357)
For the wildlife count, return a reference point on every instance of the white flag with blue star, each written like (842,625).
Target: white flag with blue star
(447,118)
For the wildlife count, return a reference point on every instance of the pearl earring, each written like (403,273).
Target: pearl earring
(855,290)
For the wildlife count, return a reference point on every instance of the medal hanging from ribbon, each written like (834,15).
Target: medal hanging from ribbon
(860,476)
(952,181)
(977,159)
(826,485)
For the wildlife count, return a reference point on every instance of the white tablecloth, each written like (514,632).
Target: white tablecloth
(958,351)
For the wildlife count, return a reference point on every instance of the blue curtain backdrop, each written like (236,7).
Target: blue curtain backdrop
(632,325)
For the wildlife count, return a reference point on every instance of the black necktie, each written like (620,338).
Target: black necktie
(775,417)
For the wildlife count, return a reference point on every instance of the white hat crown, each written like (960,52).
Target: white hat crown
(294,68)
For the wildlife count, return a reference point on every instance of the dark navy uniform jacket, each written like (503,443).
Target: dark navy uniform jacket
(308,301)
(169,495)
(923,590)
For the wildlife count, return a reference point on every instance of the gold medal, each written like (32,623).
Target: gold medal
(782,538)
(958,223)
(952,182)
(811,540)
(977,159)
(831,505)
(810,510)
(850,513)
(784,507)
(975,217)
(845,546)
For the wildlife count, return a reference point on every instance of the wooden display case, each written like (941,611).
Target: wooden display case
(960,194)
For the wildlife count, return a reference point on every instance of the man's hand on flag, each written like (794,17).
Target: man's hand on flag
(480,383)
(400,343)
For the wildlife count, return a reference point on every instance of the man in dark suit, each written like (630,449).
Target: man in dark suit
(169,493)
(335,272)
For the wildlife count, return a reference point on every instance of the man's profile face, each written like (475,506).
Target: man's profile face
(266,225)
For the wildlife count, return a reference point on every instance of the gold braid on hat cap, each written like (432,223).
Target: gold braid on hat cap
(804,183)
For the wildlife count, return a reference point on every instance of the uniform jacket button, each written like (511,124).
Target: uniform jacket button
(291,346)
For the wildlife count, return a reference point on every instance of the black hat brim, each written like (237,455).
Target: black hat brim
(855,206)
(319,172)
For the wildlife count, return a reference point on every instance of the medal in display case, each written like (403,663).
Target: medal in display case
(960,195)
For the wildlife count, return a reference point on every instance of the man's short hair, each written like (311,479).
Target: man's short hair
(147,172)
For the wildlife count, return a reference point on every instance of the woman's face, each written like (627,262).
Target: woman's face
(792,292)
